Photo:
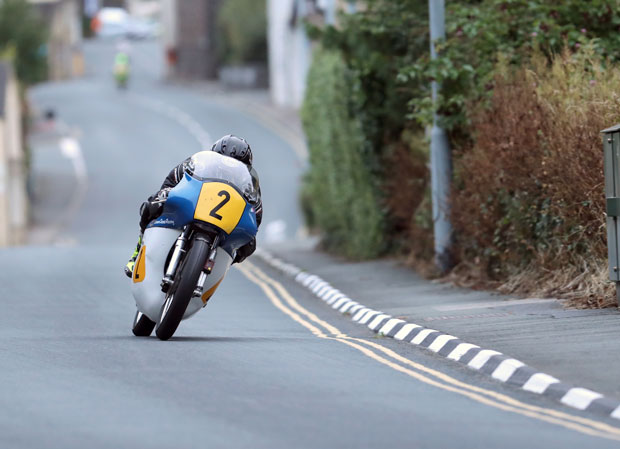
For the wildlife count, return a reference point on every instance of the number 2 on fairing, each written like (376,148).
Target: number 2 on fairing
(226,199)
(221,205)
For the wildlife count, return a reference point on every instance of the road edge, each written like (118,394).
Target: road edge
(489,362)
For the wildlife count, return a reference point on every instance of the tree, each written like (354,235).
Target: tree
(23,35)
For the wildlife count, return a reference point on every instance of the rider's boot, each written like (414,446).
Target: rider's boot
(134,256)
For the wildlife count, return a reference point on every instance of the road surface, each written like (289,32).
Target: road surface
(263,366)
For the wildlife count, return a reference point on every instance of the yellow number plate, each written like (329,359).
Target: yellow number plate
(139,268)
(221,205)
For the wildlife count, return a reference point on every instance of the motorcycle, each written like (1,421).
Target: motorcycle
(121,70)
(187,251)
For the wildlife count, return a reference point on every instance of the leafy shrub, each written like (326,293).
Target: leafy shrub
(242,26)
(526,85)
(479,31)
(22,37)
(373,45)
(344,203)
(530,191)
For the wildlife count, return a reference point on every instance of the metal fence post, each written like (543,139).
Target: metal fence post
(611,149)
(441,164)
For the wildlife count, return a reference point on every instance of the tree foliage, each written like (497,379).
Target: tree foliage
(22,36)
(526,85)
(242,36)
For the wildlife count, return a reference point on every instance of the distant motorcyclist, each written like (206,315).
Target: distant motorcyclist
(232,146)
(121,68)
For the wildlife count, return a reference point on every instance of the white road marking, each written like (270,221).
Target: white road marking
(481,358)
(70,148)
(461,350)
(331,293)
(440,342)
(180,117)
(377,320)
(404,331)
(360,313)
(580,398)
(318,286)
(335,298)
(340,302)
(387,327)
(539,382)
(348,305)
(506,369)
(355,308)
(419,338)
(366,318)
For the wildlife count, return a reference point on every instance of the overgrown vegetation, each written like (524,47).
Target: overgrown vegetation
(343,197)
(22,40)
(536,203)
(371,48)
(242,26)
(526,88)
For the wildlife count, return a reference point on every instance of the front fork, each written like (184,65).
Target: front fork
(206,270)
(179,250)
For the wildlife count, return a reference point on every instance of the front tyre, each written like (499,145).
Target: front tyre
(142,325)
(183,288)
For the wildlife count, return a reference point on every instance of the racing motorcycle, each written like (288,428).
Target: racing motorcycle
(187,251)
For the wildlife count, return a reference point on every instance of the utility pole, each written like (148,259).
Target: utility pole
(441,164)
(330,12)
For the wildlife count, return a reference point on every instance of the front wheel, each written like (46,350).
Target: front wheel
(182,289)
(142,325)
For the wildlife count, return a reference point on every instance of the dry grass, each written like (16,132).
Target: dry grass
(529,208)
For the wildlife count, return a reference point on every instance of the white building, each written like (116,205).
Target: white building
(290,50)
(64,19)
(13,196)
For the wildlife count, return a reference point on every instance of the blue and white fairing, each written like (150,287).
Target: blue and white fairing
(204,167)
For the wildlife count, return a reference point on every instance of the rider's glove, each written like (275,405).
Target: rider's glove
(163,194)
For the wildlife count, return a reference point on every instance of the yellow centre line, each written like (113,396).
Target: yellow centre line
(488,397)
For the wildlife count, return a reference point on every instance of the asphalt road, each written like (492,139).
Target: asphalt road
(264,365)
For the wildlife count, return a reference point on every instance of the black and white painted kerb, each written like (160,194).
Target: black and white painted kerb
(497,365)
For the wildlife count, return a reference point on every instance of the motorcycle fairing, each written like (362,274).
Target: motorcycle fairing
(147,293)
(180,209)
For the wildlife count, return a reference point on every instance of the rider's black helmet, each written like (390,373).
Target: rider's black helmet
(235,147)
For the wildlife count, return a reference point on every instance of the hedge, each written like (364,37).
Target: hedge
(343,195)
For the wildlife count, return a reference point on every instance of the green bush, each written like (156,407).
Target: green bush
(478,32)
(22,37)
(242,36)
(374,45)
(526,85)
(342,193)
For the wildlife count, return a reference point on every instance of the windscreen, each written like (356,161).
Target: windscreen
(209,165)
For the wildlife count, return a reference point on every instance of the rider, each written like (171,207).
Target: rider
(152,208)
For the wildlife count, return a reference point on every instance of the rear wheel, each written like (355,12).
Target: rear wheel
(182,289)
(142,325)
